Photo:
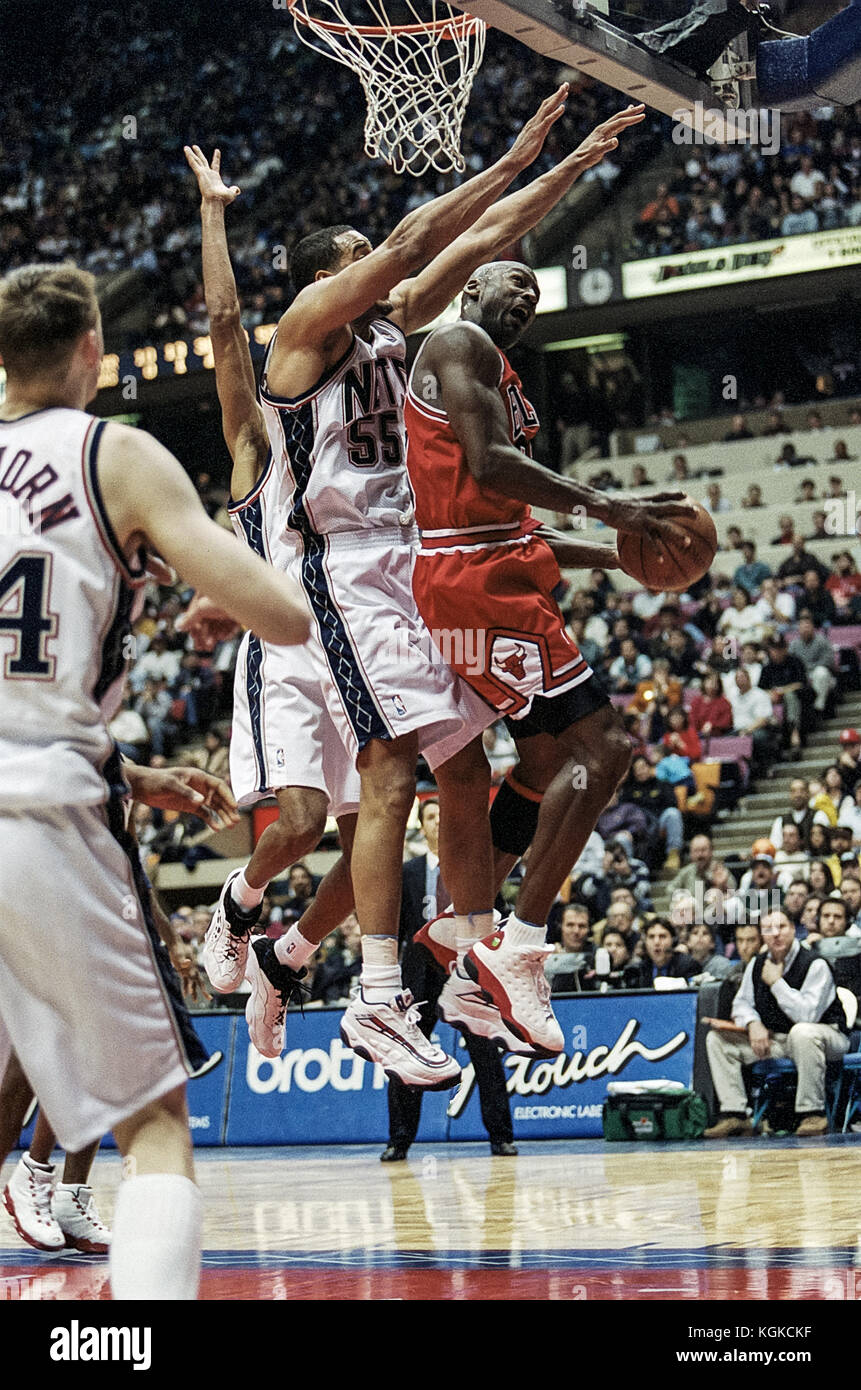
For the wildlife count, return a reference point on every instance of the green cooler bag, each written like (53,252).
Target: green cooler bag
(675,1114)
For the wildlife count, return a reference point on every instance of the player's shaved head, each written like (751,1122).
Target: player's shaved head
(44,310)
(501,297)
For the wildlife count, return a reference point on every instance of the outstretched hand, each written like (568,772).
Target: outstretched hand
(605,137)
(207,624)
(530,141)
(212,187)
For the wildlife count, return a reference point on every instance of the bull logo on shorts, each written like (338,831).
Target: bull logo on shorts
(515,664)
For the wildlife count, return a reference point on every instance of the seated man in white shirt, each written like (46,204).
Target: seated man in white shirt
(792,860)
(788,1006)
(753,713)
(800,813)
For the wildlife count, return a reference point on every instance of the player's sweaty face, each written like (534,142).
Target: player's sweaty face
(507,303)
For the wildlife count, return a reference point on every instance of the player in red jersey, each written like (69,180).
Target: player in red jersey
(486,568)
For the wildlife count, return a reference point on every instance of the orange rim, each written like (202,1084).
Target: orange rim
(445,28)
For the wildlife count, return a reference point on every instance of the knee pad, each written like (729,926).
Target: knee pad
(514,817)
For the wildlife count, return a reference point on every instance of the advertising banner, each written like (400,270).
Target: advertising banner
(608,1037)
(743,264)
(320,1092)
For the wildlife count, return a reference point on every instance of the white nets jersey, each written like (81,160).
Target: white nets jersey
(67,601)
(339,449)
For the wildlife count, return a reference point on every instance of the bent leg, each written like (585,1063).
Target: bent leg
(298,830)
(596,754)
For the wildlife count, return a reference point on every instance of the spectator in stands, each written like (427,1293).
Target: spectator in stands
(129,731)
(710,711)
(738,430)
(849,761)
(620,916)
(844,586)
(821,878)
(775,607)
(790,458)
(850,891)
(747,940)
(785,680)
(680,738)
(158,663)
(154,706)
(640,476)
(622,820)
(663,209)
(816,600)
(775,424)
(829,793)
(795,895)
(841,455)
(214,757)
(733,538)
(753,715)
(799,219)
(806,491)
(698,868)
(836,940)
(630,667)
(800,813)
(791,857)
(752,572)
(679,471)
(624,971)
(623,870)
(850,813)
(816,655)
(701,945)
(753,497)
(786,533)
(788,1005)
(302,886)
(661,959)
(714,500)
(644,789)
(741,620)
(341,965)
(820,530)
(574,954)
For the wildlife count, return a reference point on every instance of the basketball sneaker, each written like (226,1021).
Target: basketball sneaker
(27,1198)
(225,946)
(75,1212)
(438,937)
(465,1005)
(273,986)
(513,978)
(390,1034)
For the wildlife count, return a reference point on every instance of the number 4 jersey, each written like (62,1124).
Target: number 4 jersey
(67,600)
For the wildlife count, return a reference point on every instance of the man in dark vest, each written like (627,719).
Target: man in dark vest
(423,897)
(788,1005)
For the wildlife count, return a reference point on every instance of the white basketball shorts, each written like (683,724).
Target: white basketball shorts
(283,735)
(385,677)
(82,997)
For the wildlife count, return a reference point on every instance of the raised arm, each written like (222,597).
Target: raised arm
(332,302)
(417,302)
(241,416)
(467,368)
(150,500)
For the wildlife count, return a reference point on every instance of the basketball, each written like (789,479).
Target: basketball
(670,566)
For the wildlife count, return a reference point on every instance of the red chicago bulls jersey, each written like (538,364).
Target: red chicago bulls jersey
(447,495)
(484,581)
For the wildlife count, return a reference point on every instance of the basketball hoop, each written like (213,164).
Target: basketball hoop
(416,77)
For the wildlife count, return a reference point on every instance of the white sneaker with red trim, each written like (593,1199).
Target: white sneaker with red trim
(513,978)
(74,1208)
(390,1035)
(465,1005)
(27,1198)
(438,937)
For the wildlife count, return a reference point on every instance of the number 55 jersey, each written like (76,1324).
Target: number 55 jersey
(335,510)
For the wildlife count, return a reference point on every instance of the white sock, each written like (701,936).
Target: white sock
(244,895)
(155,1252)
(293,948)
(381,973)
(519,933)
(37,1167)
(472,928)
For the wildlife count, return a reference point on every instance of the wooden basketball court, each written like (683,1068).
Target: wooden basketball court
(757,1219)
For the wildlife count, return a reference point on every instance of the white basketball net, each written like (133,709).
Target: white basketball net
(416,80)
